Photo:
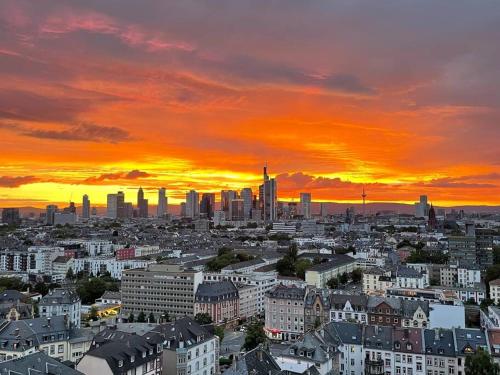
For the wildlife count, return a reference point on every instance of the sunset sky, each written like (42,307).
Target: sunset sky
(402,97)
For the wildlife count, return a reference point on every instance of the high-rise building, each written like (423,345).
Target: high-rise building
(11,216)
(161,210)
(226,196)
(422,207)
(247,197)
(85,207)
(192,204)
(116,206)
(142,204)
(237,210)
(50,212)
(207,205)
(305,205)
(268,198)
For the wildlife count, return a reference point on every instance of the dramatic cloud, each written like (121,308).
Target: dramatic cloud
(13,182)
(399,97)
(132,175)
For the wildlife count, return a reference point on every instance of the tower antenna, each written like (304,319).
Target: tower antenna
(364,200)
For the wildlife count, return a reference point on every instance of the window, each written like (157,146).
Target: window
(120,363)
(60,348)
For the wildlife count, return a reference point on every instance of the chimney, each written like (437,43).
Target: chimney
(436,334)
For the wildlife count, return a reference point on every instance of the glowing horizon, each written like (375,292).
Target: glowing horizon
(97,98)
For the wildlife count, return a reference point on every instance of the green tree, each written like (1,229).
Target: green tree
(301,266)
(131,318)
(219,331)
(93,314)
(356,275)
(255,335)
(151,318)
(343,278)
(70,275)
(141,318)
(203,318)
(333,283)
(480,363)
(285,266)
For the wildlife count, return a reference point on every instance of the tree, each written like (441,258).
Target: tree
(166,317)
(203,318)
(93,314)
(141,318)
(343,279)
(131,318)
(285,266)
(219,331)
(333,283)
(480,363)
(70,275)
(356,275)
(301,267)
(151,318)
(255,336)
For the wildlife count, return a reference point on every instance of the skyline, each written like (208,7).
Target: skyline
(401,99)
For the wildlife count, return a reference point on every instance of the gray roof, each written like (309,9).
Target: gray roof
(322,294)
(378,337)
(60,296)
(404,271)
(336,260)
(20,335)
(37,363)
(468,338)
(409,307)
(216,291)
(344,333)
(287,292)
(255,362)
(248,263)
(374,301)
(439,342)
(111,295)
(184,330)
(358,301)
(12,296)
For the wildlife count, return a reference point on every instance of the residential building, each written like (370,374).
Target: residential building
(284,313)
(410,278)
(51,335)
(15,305)
(495,291)
(118,353)
(62,302)
(219,299)
(319,274)
(440,351)
(349,308)
(409,351)
(316,308)
(376,280)
(255,361)
(188,348)
(37,363)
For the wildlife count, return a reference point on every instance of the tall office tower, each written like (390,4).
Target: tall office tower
(116,206)
(323,210)
(161,210)
(484,247)
(268,198)
(305,205)
(207,205)
(50,213)
(247,196)
(226,196)
(11,216)
(237,210)
(192,204)
(86,207)
(422,207)
(142,204)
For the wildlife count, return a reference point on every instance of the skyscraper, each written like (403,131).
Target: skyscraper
(192,204)
(236,210)
(11,216)
(305,205)
(226,196)
(162,203)
(422,207)
(142,204)
(246,196)
(86,207)
(50,213)
(268,198)
(207,205)
(116,206)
